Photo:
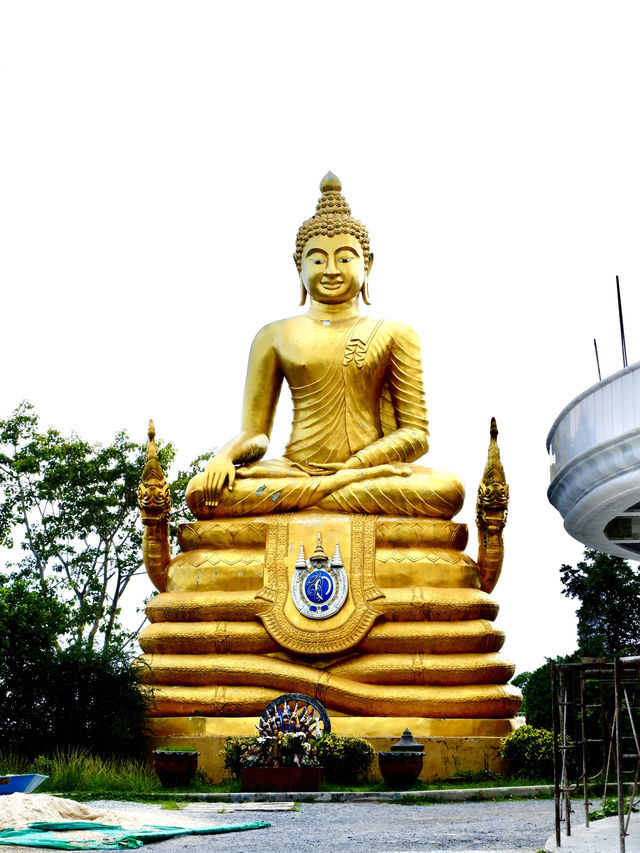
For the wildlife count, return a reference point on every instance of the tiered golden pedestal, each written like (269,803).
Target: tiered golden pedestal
(413,645)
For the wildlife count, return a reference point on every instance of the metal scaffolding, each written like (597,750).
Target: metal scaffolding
(596,728)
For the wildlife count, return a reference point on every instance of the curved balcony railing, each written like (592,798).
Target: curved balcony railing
(595,464)
(601,413)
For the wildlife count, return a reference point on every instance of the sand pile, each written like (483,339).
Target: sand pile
(17,811)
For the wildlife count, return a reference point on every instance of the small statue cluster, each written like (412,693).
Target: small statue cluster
(284,738)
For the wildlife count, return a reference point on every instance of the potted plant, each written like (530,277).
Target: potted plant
(175,765)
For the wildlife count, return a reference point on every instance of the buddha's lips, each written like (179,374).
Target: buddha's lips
(331,285)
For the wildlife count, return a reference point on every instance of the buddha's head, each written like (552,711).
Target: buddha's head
(332,250)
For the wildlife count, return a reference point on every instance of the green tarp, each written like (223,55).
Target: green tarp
(46,834)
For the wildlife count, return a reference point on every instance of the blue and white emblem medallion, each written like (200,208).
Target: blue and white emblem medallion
(319,585)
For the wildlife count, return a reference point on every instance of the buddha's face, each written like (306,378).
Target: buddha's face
(333,268)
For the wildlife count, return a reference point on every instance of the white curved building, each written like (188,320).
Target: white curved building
(595,465)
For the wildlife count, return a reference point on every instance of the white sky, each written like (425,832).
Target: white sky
(156,160)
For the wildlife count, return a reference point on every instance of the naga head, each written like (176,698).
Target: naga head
(493,492)
(154,498)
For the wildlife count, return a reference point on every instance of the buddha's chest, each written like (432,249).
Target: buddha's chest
(320,351)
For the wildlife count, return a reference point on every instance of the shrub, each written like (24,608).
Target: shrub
(345,759)
(232,751)
(54,698)
(96,703)
(529,752)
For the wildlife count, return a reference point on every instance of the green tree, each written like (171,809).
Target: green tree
(31,618)
(55,698)
(608,590)
(536,692)
(69,508)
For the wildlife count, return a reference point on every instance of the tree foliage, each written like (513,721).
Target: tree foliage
(68,508)
(55,698)
(536,692)
(30,621)
(608,590)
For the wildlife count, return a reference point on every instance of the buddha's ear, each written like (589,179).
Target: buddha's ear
(365,284)
(303,291)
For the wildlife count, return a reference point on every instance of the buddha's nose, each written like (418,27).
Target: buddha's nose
(331,268)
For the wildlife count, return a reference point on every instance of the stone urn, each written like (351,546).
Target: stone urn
(401,766)
(175,767)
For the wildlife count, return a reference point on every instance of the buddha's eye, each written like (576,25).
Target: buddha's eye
(344,260)
(316,261)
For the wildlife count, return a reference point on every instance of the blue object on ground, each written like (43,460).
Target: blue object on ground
(45,834)
(20,783)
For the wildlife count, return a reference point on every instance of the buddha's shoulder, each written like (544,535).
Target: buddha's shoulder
(399,331)
(277,327)
(275,333)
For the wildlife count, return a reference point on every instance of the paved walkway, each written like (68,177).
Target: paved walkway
(364,827)
(507,826)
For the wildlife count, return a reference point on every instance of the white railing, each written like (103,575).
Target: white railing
(603,412)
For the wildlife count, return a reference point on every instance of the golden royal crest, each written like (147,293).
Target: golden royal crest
(319,585)
(292,623)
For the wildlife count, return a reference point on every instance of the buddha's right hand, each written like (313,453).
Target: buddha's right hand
(219,471)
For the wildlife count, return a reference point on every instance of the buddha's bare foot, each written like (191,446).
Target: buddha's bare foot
(357,475)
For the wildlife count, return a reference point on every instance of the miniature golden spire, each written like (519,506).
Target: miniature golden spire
(319,552)
(301,562)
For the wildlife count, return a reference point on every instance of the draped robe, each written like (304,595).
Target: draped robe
(364,402)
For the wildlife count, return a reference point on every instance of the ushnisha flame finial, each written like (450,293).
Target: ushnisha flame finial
(332,202)
(330,183)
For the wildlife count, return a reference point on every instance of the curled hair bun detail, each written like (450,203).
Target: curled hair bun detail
(332,217)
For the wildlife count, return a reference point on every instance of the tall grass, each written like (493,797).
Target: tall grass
(77,770)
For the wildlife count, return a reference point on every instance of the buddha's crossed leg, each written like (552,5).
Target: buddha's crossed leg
(267,487)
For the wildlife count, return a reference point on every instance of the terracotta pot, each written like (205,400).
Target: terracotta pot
(282,778)
(400,769)
(175,768)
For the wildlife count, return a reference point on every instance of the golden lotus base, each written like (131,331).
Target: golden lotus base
(452,746)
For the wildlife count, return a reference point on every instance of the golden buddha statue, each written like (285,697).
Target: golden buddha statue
(356,384)
(398,623)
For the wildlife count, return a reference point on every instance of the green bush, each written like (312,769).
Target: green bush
(345,759)
(232,751)
(529,752)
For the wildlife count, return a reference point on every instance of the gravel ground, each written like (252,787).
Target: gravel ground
(522,825)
